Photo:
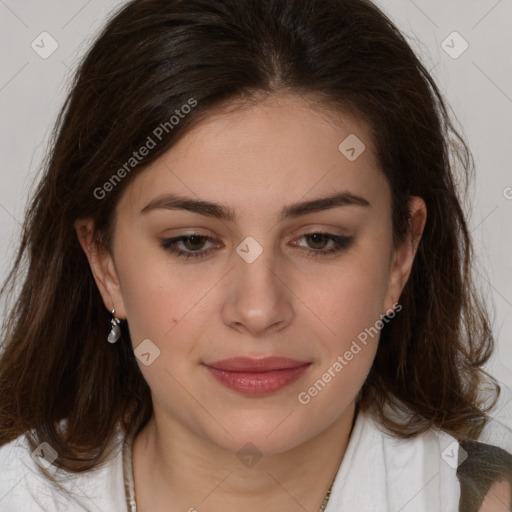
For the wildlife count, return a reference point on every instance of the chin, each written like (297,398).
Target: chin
(264,434)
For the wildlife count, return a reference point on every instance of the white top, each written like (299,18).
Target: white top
(378,474)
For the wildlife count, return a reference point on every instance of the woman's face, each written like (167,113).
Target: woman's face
(257,283)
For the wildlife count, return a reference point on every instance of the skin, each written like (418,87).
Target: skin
(286,303)
(498,498)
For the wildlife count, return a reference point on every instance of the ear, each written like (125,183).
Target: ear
(403,255)
(102,267)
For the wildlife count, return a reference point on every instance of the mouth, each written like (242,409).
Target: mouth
(257,376)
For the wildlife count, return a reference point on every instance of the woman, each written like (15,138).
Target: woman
(248,277)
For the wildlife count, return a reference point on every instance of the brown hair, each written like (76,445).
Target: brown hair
(152,58)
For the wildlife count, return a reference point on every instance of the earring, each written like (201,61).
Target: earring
(115,332)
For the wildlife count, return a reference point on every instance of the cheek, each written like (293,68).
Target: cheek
(350,298)
(157,290)
(178,307)
(167,307)
(352,316)
(350,308)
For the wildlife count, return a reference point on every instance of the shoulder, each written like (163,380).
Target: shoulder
(485,475)
(415,474)
(426,471)
(19,483)
(24,486)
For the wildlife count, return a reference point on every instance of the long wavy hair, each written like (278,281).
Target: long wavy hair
(150,59)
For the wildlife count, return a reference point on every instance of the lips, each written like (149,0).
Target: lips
(248,364)
(257,376)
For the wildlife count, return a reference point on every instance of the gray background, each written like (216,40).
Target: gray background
(477,85)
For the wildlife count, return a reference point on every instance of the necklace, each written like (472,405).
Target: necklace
(129,487)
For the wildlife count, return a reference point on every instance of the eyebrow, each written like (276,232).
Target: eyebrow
(222,212)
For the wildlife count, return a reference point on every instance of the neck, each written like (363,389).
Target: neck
(195,475)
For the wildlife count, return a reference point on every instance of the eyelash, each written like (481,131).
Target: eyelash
(340,243)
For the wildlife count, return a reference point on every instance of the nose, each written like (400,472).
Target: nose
(260,299)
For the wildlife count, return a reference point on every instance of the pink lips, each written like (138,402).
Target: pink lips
(257,376)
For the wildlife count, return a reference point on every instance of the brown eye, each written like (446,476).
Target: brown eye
(319,240)
(194,242)
(193,245)
(317,243)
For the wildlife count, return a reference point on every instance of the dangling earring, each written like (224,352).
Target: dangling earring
(115,332)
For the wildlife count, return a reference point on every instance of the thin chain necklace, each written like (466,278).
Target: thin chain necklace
(130,488)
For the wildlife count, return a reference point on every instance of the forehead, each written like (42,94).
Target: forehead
(280,149)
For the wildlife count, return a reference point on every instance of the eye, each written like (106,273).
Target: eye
(193,245)
(320,240)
